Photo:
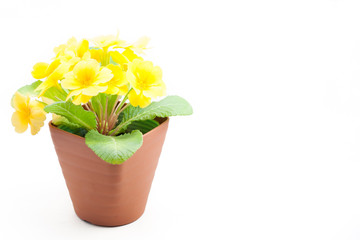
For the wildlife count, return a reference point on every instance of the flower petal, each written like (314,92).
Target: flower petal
(85,67)
(37,118)
(82,48)
(103,76)
(79,99)
(20,102)
(138,99)
(19,121)
(93,90)
(155,91)
(118,57)
(39,70)
(73,93)
(70,82)
(53,65)
(96,54)
(108,41)
(129,54)
(140,45)
(131,78)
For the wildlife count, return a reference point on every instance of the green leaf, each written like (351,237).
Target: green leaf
(29,90)
(64,124)
(144,126)
(74,113)
(77,131)
(60,120)
(169,106)
(55,94)
(114,150)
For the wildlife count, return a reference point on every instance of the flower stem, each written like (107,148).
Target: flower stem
(86,106)
(118,109)
(105,58)
(106,119)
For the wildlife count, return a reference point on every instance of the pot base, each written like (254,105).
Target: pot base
(106,223)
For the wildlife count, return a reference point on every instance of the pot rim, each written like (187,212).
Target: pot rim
(148,133)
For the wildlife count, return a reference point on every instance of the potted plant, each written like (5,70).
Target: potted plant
(107,131)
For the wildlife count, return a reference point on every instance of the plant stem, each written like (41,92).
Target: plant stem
(101,118)
(86,106)
(106,120)
(105,60)
(122,109)
(122,102)
(90,107)
(119,109)
(115,131)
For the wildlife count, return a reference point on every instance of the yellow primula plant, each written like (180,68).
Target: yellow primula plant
(100,89)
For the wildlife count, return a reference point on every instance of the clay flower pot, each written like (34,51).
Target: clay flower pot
(102,193)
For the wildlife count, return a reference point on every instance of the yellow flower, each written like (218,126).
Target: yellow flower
(27,112)
(119,58)
(73,47)
(67,56)
(140,45)
(118,84)
(86,80)
(108,41)
(82,48)
(42,70)
(81,98)
(52,72)
(138,99)
(130,55)
(73,52)
(52,80)
(124,58)
(146,81)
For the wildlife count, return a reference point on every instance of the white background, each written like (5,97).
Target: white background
(272,150)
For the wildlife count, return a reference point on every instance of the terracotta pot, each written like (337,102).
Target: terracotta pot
(102,193)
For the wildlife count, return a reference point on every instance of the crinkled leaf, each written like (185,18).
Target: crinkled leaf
(144,126)
(169,106)
(74,113)
(60,120)
(114,150)
(66,125)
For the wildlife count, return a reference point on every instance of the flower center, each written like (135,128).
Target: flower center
(26,114)
(87,78)
(141,82)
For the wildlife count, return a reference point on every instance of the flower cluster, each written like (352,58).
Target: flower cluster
(80,72)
